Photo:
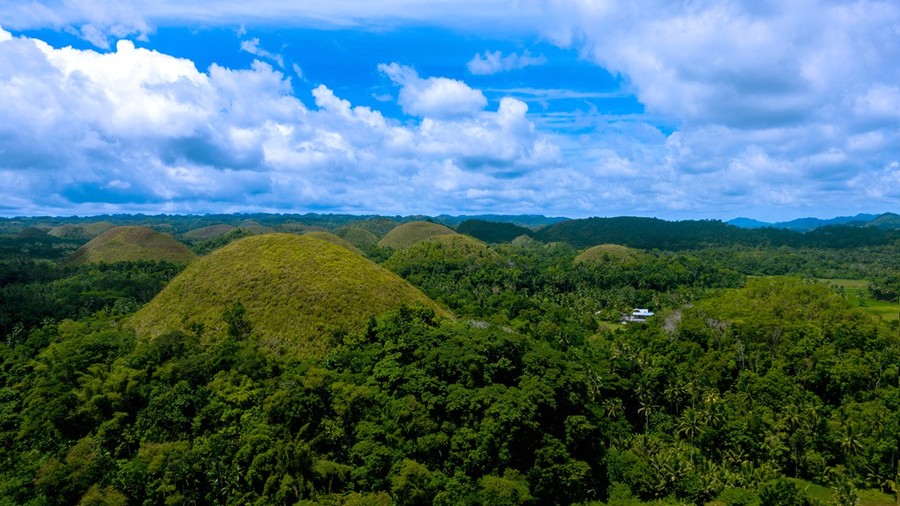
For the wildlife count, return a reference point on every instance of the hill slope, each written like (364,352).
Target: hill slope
(121,244)
(333,239)
(609,253)
(411,233)
(455,249)
(297,291)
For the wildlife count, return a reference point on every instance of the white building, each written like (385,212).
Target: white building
(639,315)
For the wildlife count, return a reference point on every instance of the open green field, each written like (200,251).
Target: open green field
(857,293)
(866,497)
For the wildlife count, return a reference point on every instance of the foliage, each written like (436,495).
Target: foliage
(492,232)
(743,390)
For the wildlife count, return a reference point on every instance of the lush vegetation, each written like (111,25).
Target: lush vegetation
(492,232)
(282,369)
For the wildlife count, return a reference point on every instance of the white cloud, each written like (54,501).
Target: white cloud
(435,96)
(494,62)
(138,130)
(252,46)
(776,104)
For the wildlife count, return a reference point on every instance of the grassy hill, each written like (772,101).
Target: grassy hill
(412,233)
(297,290)
(609,253)
(333,239)
(378,226)
(85,231)
(255,227)
(453,249)
(122,244)
(210,232)
(357,236)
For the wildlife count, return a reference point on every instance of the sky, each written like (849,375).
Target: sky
(691,109)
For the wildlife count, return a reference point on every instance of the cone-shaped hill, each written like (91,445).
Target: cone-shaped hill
(296,290)
(357,236)
(121,244)
(456,249)
(609,254)
(411,233)
(86,231)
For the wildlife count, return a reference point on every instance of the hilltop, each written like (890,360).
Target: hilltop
(121,244)
(298,291)
(456,249)
(412,233)
(609,253)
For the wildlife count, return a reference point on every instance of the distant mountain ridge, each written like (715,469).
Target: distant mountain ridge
(885,220)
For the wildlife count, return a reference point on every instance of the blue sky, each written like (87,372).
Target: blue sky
(704,109)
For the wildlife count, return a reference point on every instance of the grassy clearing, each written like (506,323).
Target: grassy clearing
(856,291)
(866,497)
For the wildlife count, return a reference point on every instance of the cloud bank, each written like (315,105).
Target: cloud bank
(135,129)
(774,109)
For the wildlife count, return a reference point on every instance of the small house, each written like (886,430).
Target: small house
(638,315)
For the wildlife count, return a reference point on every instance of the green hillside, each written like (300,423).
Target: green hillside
(210,232)
(456,249)
(411,233)
(357,236)
(255,227)
(130,244)
(333,239)
(83,231)
(609,253)
(378,226)
(297,290)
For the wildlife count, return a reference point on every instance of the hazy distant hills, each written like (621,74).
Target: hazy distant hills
(373,233)
(886,220)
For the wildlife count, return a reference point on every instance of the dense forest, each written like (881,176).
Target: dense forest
(769,375)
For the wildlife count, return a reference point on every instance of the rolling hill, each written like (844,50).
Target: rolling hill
(298,292)
(120,244)
(412,233)
(609,253)
(455,249)
(357,236)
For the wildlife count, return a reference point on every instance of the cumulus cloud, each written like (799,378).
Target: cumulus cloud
(434,96)
(492,62)
(771,104)
(139,130)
